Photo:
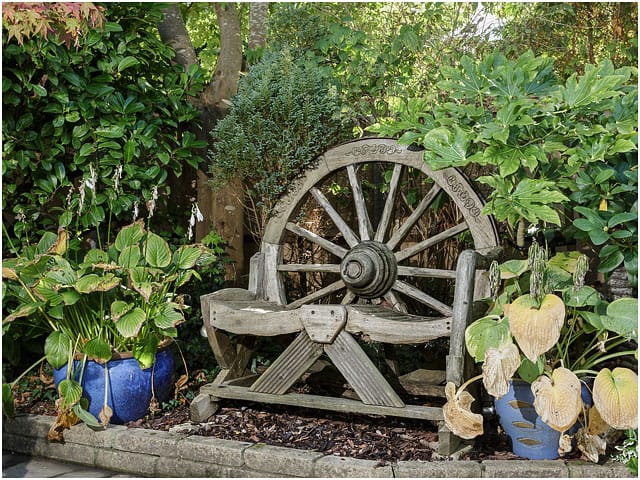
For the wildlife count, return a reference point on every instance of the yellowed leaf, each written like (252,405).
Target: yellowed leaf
(615,394)
(596,425)
(60,245)
(591,446)
(500,364)
(536,330)
(65,419)
(458,415)
(105,415)
(557,399)
(9,274)
(565,445)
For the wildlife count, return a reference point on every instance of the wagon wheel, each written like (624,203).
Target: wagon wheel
(373,223)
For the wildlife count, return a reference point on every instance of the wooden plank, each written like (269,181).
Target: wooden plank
(256,275)
(346,231)
(309,267)
(389,326)
(323,322)
(364,223)
(424,382)
(254,318)
(404,271)
(324,403)
(360,372)
(297,358)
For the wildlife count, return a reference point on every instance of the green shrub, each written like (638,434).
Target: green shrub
(112,108)
(284,115)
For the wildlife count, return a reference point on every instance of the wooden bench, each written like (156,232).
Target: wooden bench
(335,283)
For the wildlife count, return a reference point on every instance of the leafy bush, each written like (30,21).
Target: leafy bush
(114,107)
(541,137)
(282,118)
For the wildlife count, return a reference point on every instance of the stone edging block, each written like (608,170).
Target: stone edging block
(164,454)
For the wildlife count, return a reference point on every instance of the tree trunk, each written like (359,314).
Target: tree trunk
(258,13)
(222,210)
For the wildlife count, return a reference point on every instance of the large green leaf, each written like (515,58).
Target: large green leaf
(98,349)
(157,252)
(444,148)
(129,235)
(169,315)
(485,333)
(186,257)
(57,348)
(129,325)
(130,256)
(70,391)
(145,351)
(119,308)
(96,283)
(622,317)
(85,416)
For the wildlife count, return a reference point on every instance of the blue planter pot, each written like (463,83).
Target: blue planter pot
(530,437)
(129,387)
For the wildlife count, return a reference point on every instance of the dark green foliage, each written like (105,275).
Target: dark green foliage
(114,101)
(284,115)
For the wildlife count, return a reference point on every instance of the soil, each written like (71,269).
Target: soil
(384,439)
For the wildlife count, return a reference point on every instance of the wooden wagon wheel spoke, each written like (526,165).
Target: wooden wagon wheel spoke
(413,218)
(346,231)
(429,242)
(422,297)
(328,245)
(364,223)
(404,271)
(395,302)
(348,298)
(317,295)
(389,204)
(309,267)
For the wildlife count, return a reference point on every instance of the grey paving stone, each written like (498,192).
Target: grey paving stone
(38,468)
(133,463)
(438,469)
(153,442)
(288,462)
(10,459)
(524,469)
(180,468)
(213,450)
(333,466)
(103,438)
(28,425)
(611,469)
(71,452)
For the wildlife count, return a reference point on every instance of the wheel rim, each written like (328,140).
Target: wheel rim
(357,251)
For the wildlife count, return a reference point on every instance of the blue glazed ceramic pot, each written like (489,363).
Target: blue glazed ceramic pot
(530,437)
(129,387)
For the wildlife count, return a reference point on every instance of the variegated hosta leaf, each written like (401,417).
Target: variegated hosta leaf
(615,393)
(500,364)
(458,415)
(592,446)
(557,399)
(536,330)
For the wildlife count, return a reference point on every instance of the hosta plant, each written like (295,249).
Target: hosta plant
(557,336)
(117,299)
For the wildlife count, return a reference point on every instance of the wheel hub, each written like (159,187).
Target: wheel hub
(369,269)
